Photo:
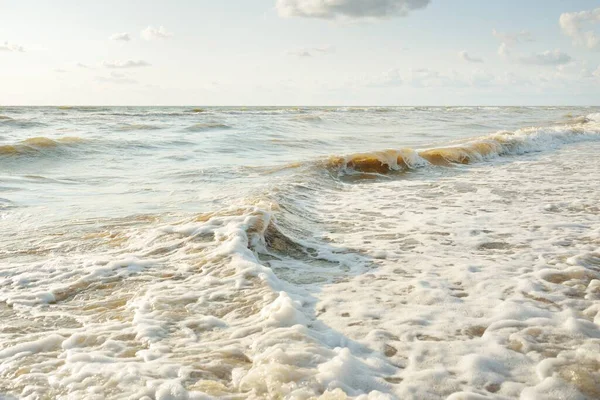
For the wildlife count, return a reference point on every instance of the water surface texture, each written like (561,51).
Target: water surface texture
(299,253)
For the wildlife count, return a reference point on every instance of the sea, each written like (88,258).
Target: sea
(300,253)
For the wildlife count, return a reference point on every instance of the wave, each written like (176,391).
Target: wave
(17,123)
(207,126)
(307,118)
(142,114)
(365,109)
(503,143)
(263,110)
(138,127)
(593,117)
(83,108)
(37,145)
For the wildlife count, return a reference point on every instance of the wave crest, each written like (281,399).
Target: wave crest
(207,126)
(37,144)
(18,123)
(467,152)
(138,127)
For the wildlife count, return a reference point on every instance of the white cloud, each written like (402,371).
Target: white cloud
(573,76)
(124,36)
(390,78)
(503,50)
(510,79)
(11,47)
(548,57)
(151,33)
(415,77)
(429,78)
(480,77)
(311,52)
(579,70)
(511,38)
(60,71)
(424,78)
(299,53)
(572,24)
(466,57)
(80,65)
(116,78)
(354,9)
(126,64)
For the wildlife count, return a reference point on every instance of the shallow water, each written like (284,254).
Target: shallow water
(300,253)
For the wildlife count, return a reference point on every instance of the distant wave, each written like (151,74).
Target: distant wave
(207,126)
(37,145)
(307,118)
(263,110)
(149,113)
(138,127)
(18,123)
(467,152)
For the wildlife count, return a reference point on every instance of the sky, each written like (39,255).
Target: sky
(299,52)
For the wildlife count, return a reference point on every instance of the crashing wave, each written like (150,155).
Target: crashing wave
(471,151)
(38,144)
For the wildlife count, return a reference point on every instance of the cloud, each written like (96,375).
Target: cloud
(572,24)
(548,57)
(116,78)
(503,50)
(425,77)
(11,47)
(126,64)
(311,52)
(124,36)
(429,78)
(580,70)
(151,33)
(390,78)
(480,77)
(299,53)
(511,38)
(80,65)
(352,9)
(60,71)
(466,57)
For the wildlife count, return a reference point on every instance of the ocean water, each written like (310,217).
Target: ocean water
(300,253)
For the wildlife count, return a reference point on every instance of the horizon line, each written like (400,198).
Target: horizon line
(297,105)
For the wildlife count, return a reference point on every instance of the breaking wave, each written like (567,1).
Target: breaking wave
(38,145)
(479,149)
(138,127)
(207,126)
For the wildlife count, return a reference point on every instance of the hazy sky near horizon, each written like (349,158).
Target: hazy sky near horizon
(300,52)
